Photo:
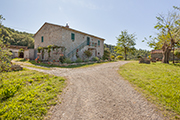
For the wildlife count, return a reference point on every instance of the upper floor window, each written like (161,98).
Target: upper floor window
(42,39)
(98,43)
(72,36)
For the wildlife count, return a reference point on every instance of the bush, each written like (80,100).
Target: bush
(177,53)
(5,57)
(78,60)
(88,53)
(112,57)
(106,54)
(68,61)
(62,59)
(119,57)
(86,60)
(95,59)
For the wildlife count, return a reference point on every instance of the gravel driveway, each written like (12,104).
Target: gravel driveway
(100,93)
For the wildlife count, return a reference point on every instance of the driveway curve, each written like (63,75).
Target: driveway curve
(100,93)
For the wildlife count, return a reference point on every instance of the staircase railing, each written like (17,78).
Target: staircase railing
(73,52)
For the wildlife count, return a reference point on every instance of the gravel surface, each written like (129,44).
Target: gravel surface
(100,93)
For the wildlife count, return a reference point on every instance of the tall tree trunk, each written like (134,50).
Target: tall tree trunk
(166,54)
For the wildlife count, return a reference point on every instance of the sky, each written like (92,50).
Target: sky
(102,18)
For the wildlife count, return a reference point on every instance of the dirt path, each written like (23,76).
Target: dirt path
(99,93)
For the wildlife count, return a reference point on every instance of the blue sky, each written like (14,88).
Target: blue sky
(103,18)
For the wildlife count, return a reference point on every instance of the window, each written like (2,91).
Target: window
(95,44)
(98,43)
(42,39)
(72,36)
(88,41)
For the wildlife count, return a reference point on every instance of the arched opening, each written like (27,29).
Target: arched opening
(21,55)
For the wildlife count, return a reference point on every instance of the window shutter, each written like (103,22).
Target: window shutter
(42,39)
(88,40)
(98,43)
(72,36)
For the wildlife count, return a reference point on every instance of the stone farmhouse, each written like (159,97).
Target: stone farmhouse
(53,41)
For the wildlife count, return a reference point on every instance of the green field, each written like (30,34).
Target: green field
(160,83)
(28,94)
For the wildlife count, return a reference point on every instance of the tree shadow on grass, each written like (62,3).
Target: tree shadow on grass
(175,64)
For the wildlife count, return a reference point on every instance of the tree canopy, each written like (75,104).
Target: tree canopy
(5,55)
(14,37)
(125,43)
(169,34)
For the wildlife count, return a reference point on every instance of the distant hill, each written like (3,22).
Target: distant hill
(14,37)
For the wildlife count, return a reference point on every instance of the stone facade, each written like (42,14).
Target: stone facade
(15,49)
(29,54)
(51,34)
(158,54)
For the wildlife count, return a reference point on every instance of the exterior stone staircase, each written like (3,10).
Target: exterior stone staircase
(79,48)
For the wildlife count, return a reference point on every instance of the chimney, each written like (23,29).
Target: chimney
(67,25)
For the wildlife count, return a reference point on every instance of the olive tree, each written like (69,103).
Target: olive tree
(168,36)
(125,43)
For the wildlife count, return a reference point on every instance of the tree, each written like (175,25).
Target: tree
(107,54)
(88,53)
(5,56)
(126,43)
(169,35)
(177,53)
(1,19)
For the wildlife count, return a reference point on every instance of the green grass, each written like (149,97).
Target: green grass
(28,94)
(159,82)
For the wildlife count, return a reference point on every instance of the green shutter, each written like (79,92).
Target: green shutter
(88,40)
(42,40)
(98,43)
(72,36)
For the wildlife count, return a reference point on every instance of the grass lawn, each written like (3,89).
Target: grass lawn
(28,94)
(159,82)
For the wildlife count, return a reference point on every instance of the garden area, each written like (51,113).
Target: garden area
(159,83)
(28,94)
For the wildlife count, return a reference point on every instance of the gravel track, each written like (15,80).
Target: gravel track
(100,93)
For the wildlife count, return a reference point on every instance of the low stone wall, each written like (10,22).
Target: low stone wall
(65,64)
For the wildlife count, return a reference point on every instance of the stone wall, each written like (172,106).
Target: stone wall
(61,36)
(29,54)
(160,56)
(14,52)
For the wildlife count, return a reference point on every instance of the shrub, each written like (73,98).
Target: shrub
(88,53)
(177,53)
(86,60)
(139,56)
(112,57)
(5,57)
(119,57)
(67,60)
(95,59)
(62,59)
(78,60)
(106,54)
